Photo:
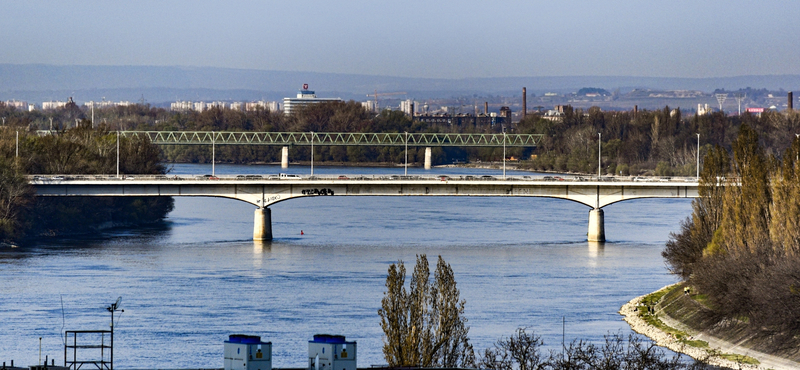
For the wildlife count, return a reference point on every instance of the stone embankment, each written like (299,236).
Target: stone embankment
(631,316)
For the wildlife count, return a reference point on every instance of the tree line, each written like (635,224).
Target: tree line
(424,327)
(78,150)
(741,245)
(659,142)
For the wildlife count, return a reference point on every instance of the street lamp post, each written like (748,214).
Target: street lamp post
(312,153)
(113,307)
(117,153)
(406,166)
(698,157)
(213,154)
(504,152)
(17,143)
(599,153)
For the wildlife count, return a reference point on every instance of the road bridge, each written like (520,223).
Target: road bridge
(263,191)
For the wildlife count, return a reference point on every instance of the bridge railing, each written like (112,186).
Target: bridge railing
(356,177)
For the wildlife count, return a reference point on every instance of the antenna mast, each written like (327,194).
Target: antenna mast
(721,99)
(739,98)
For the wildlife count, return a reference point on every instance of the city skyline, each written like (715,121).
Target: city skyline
(467,39)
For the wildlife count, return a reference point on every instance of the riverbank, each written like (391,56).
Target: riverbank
(647,316)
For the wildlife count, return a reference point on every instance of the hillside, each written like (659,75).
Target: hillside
(159,84)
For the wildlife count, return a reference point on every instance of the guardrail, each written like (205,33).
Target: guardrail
(284,177)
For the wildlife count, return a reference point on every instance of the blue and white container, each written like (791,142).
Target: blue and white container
(331,352)
(247,352)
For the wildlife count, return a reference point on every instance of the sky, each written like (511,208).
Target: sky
(410,38)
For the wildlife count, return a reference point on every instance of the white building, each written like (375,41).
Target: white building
(53,104)
(271,106)
(408,106)
(304,97)
(369,105)
(181,106)
(106,104)
(20,105)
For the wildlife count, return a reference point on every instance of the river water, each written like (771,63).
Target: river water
(189,283)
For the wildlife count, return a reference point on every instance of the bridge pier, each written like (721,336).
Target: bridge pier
(428,158)
(262,226)
(597,229)
(285,157)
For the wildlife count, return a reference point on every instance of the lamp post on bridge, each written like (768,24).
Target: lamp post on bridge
(312,153)
(698,157)
(504,151)
(213,154)
(406,166)
(117,153)
(599,153)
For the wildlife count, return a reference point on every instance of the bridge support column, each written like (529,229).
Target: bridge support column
(262,227)
(285,157)
(428,158)
(597,229)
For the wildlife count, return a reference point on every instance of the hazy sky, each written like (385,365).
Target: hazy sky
(447,39)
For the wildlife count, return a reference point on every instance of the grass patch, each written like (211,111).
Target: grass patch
(651,300)
(741,359)
(696,343)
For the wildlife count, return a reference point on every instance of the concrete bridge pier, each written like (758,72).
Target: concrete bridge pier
(262,226)
(597,229)
(285,157)
(428,158)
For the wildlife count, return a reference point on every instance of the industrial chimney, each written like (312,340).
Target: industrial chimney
(486,108)
(524,103)
(791,101)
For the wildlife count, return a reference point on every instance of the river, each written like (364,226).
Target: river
(189,283)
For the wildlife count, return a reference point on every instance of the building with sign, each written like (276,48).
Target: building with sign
(304,97)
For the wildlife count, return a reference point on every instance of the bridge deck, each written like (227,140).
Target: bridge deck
(265,190)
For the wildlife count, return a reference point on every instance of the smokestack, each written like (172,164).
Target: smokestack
(791,100)
(635,110)
(524,102)
(486,108)
(412,109)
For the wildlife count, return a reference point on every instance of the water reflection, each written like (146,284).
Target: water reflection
(596,249)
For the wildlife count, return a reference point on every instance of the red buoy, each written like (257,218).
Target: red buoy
(301,232)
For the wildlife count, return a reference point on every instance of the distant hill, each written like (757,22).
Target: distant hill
(158,85)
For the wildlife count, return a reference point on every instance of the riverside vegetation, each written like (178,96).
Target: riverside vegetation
(424,326)
(79,150)
(739,251)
